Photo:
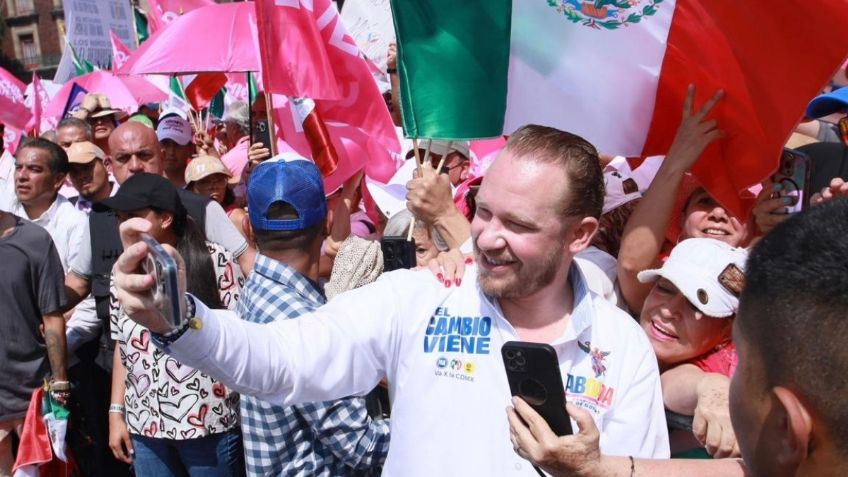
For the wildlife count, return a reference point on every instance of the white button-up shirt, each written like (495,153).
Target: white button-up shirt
(441,351)
(62,220)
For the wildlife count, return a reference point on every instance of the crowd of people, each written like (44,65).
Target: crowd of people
(689,339)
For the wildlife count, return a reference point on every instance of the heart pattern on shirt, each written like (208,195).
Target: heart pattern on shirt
(132,357)
(219,390)
(137,420)
(142,342)
(140,383)
(151,430)
(177,410)
(177,371)
(197,420)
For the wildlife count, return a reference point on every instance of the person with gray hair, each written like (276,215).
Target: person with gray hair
(71,130)
(236,137)
(428,242)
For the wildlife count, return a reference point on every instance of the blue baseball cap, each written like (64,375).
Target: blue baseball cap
(287,178)
(826,104)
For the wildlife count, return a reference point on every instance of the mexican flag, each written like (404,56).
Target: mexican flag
(42,450)
(616,72)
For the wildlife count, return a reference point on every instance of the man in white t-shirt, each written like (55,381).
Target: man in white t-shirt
(440,347)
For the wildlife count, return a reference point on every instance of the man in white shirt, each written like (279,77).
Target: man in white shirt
(440,347)
(40,170)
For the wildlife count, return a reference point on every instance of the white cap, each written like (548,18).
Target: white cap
(620,189)
(708,272)
(175,128)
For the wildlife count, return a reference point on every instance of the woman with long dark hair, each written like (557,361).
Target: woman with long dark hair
(165,418)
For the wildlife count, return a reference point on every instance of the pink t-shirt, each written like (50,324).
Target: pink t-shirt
(722,361)
(236,158)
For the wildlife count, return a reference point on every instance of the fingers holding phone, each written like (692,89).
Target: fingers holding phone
(533,439)
(133,285)
(769,208)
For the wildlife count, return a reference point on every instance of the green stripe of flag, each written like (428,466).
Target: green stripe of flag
(81,66)
(453,59)
(141,30)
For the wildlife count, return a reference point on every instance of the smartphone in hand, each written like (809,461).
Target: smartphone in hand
(793,175)
(262,133)
(532,370)
(166,290)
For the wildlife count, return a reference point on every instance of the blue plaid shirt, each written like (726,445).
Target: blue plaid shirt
(332,438)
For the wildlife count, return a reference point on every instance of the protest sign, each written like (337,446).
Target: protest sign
(369,22)
(88,25)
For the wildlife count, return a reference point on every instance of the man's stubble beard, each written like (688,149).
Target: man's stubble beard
(525,282)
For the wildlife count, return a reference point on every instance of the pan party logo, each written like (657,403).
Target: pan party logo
(606,14)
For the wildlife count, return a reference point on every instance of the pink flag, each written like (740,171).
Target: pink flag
(294,62)
(39,99)
(355,148)
(361,104)
(163,12)
(13,111)
(120,52)
(12,139)
(237,87)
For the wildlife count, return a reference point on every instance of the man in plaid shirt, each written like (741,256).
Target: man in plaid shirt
(332,438)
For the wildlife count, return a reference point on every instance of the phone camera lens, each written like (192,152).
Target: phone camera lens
(510,354)
(520,361)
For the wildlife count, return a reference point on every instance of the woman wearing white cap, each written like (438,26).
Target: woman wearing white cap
(688,317)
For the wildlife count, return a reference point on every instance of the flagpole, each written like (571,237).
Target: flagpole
(249,109)
(411,229)
(269,112)
(427,151)
(442,161)
(417,156)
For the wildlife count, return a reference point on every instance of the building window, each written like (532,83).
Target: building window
(24,7)
(29,50)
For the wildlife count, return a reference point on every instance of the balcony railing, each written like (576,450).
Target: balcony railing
(41,61)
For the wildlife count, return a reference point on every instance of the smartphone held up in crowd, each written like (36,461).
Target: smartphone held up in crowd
(165,291)
(793,175)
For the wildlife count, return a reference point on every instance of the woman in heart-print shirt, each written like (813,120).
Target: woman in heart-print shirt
(175,416)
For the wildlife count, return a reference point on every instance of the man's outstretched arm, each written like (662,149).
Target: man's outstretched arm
(341,350)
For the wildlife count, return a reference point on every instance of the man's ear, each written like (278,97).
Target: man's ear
(796,428)
(581,233)
(463,170)
(248,229)
(59,180)
(327,227)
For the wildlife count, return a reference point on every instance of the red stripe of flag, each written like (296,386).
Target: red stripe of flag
(758,52)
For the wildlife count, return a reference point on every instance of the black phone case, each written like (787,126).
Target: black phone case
(262,134)
(532,370)
(398,253)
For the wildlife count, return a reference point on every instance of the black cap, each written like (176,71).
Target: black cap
(144,190)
